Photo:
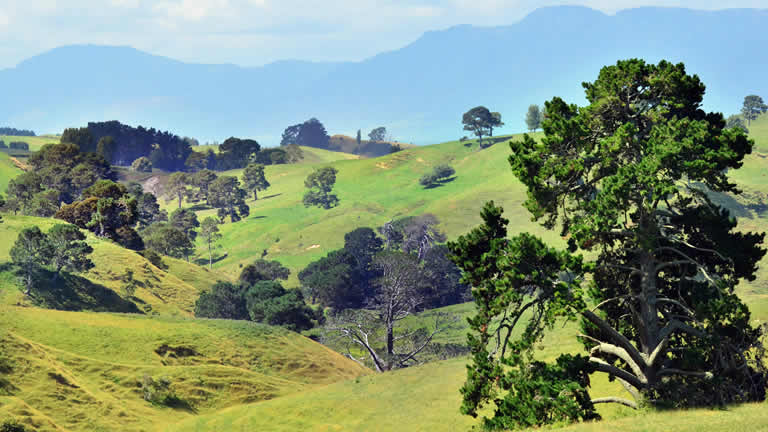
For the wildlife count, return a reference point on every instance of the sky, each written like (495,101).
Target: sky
(256,32)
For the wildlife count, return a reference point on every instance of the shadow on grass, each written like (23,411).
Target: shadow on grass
(204,261)
(270,196)
(439,183)
(75,293)
(177,403)
(199,207)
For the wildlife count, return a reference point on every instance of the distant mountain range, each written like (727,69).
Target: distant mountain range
(418,92)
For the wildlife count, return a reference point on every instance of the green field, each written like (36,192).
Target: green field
(79,371)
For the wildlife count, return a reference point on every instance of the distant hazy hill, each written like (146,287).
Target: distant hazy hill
(419,92)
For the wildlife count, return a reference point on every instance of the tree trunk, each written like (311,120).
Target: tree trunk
(210,256)
(649,314)
(255,197)
(180,198)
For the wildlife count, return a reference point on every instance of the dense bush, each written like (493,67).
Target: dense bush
(19,145)
(265,302)
(12,425)
(440,174)
(142,164)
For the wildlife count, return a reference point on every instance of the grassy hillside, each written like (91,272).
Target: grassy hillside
(81,371)
(75,371)
(171,292)
(8,168)
(372,192)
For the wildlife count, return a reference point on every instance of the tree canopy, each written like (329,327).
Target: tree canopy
(625,178)
(254,179)
(533,118)
(225,194)
(378,134)
(320,184)
(311,133)
(753,106)
(480,121)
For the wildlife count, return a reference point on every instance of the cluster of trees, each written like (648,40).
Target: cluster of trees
(656,299)
(258,296)
(108,210)
(481,122)
(125,145)
(224,193)
(374,282)
(121,144)
(440,174)
(344,279)
(60,174)
(172,236)
(62,248)
(15,145)
(16,132)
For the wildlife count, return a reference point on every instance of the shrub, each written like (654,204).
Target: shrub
(439,174)
(158,392)
(142,164)
(428,180)
(19,145)
(154,258)
(3,145)
(443,171)
(12,425)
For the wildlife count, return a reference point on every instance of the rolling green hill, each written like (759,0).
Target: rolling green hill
(81,371)
(73,371)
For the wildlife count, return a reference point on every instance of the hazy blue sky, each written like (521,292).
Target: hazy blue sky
(254,32)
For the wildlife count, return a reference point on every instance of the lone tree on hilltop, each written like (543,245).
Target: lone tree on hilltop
(533,118)
(625,179)
(254,179)
(378,134)
(480,121)
(753,107)
(209,232)
(320,184)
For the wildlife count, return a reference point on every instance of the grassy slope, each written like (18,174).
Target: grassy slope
(372,192)
(173,292)
(80,371)
(431,399)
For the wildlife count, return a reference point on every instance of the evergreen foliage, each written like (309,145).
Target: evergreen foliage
(225,194)
(625,178)
(320,184)
(142,164)
(254,179)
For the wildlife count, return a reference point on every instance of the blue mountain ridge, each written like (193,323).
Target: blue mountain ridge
(418,92)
